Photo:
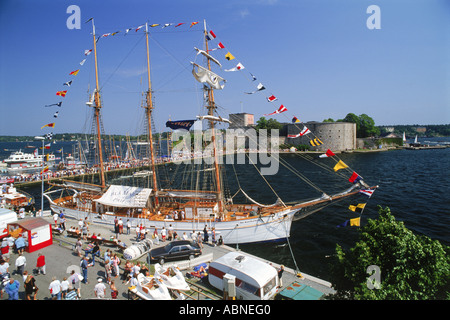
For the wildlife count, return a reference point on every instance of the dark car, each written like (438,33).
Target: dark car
(176,250)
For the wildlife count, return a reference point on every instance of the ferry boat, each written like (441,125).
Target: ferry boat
(20,161)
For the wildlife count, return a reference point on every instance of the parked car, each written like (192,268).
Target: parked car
(176,250)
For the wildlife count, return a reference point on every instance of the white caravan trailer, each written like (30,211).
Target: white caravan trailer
(254,279)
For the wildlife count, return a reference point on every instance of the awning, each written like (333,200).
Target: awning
(125,197)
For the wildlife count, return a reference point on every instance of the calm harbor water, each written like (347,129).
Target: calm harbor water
(414,184)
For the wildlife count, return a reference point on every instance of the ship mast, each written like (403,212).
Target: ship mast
(211,108)
(97,112)
(148,110)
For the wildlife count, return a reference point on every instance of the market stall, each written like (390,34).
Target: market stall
(37,232)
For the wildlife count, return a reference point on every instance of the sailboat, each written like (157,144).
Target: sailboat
(188,210)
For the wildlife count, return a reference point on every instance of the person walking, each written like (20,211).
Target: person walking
(95,253)
(64,287)
(205,234)
(115,265)
(114,291)
(84,269)
(55,219)
(30,287)
(55,288)
(40,263)
(108,271)
(280,274)
(12,289)
(21,262)
(128,226)
(100,289)
(79,246)
(71,294)
(120,223)
(74,282)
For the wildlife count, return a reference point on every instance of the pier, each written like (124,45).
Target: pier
(61,257)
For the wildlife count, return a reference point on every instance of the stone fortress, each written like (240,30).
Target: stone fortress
(337,136)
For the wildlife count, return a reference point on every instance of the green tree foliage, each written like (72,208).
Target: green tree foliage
(365,125)
(412,267)
(268,124)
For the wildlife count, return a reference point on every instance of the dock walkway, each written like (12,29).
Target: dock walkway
(60,258)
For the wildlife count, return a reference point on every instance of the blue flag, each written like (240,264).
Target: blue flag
(182,124)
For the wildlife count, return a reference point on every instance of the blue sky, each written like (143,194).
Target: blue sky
(317,57)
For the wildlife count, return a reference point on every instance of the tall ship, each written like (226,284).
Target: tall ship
(20,161)
(203,196)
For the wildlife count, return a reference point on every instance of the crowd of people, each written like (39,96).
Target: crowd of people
(88,249)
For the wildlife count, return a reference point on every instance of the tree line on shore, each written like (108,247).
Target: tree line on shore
(365,127)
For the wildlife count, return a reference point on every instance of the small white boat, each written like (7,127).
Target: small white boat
(143,173)
(171,277)
(151,288)
(138,250)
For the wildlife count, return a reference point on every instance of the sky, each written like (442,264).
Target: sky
(318,57)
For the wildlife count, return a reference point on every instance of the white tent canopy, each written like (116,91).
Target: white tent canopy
(124,196)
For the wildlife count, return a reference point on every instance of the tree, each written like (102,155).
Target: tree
(412,267)
(365,125)
(269,124)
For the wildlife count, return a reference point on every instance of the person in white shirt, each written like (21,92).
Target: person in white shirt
(128,226)
(120,226)
(55,288)
(55,218)
(21,262)
(64,287)
(99,289)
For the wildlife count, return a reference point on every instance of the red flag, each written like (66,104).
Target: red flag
(61,93)
(51,125)
(280,110)
(272,98)
(210,35)
(221,46)
(354,178)
(180,24)
(327,154)
(303,132)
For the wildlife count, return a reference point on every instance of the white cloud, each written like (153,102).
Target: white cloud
(243,13)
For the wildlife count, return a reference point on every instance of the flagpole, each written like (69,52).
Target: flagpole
(42,174)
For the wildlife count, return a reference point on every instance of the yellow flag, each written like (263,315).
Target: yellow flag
(357,208)
(340,165)
(229,56)
(355,222)
(74,73)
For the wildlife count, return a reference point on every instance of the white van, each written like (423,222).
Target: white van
(254,279)
(6,216)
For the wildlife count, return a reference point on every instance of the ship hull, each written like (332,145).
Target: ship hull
(275,227)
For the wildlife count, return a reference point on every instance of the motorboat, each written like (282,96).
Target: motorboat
(151,288)
(171,277)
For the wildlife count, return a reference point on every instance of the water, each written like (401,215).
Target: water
(414,184)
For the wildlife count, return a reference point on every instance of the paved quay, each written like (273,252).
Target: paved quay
(60,259)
